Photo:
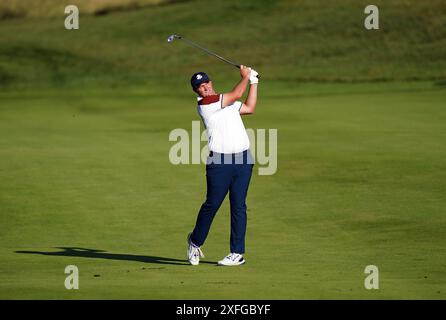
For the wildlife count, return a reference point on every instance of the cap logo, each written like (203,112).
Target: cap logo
(199,76)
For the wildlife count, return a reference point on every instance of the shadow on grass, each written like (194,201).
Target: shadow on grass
(102,254)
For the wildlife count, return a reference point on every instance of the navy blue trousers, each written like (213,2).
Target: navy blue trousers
(225,173)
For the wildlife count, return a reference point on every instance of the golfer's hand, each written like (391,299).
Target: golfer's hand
(245,72)
(253,77)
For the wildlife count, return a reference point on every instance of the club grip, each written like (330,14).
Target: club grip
(238,66)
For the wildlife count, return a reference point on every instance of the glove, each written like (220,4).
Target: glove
(253,77)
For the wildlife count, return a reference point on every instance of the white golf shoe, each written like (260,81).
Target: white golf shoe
(194,253)
(232,259)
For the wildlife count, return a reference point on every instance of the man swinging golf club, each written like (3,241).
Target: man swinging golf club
(229,164)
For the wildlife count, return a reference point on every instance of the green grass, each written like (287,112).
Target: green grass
(285,40)
(361,181)
(19,9)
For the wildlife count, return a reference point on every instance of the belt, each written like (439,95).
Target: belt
(243,157)
(212,153)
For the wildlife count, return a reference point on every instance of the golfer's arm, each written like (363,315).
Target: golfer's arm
(251,101)
(236,93)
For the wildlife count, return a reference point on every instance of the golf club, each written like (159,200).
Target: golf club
(176,36)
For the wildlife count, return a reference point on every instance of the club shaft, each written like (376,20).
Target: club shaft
(209,52)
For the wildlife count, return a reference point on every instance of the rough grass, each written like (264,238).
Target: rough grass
(286,41)
(10,9)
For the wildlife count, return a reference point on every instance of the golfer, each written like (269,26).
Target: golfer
(229,165)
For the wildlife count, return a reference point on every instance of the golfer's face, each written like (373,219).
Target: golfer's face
(205,89)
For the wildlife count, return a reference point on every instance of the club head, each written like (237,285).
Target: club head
(172,37)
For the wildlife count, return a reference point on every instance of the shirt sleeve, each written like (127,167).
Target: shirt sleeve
(237,105)
(209,105)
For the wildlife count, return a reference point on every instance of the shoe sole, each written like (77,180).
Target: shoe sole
(231,265)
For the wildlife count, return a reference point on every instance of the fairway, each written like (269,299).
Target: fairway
(86,181)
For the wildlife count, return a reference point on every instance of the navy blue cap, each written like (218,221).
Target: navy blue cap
(198,78)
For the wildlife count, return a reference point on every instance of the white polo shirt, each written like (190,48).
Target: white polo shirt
(225,129)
